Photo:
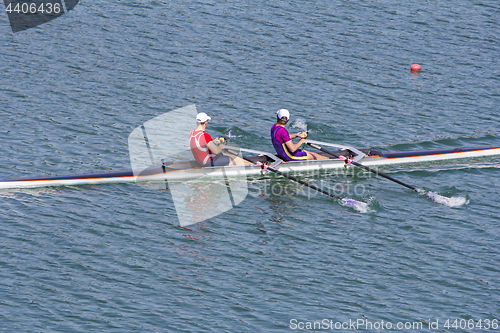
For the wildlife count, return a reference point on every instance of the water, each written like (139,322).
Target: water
(112,258)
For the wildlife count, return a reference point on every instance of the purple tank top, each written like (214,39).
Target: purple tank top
(279,135)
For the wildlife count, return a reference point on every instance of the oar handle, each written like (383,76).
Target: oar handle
(315,146)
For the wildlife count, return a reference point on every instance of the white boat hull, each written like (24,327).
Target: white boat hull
(179,174)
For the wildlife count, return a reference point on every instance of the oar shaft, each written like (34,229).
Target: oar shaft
(364,167)
(383,175)
(357,205)
(314,187)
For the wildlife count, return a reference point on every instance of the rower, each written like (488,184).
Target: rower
(282,141)
(206,151)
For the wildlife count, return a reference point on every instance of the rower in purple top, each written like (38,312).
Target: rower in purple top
(282,141)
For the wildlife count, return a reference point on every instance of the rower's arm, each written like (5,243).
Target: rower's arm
(292,147)
(301,135)
(215,149)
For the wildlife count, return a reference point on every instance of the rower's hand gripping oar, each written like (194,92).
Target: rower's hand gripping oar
(357,205)
(434,196)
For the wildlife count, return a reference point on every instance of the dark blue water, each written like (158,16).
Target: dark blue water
(112,258)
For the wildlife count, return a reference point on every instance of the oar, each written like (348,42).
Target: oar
(358,205)
(434,196)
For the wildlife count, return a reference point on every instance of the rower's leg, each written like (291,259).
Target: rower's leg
(236,160)
(315,156)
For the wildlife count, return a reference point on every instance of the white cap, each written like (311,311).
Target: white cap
(283,113)
(202,117)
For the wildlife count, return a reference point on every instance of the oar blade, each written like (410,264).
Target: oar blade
(361,207)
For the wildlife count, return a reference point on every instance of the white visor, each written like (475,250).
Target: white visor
(202,117)
(283,113)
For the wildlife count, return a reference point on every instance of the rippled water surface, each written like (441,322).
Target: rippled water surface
(113,258)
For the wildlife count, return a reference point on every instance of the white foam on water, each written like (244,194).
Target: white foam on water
(357,205)
(300,124)
(450,202)
(231,136)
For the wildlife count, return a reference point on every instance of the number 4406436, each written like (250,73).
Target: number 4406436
(471,324)
(32,8)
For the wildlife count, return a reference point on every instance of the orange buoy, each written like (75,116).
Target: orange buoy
(415,67)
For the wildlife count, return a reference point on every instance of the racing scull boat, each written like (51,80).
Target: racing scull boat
(184,170)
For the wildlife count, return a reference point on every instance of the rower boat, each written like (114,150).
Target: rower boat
(184,170)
